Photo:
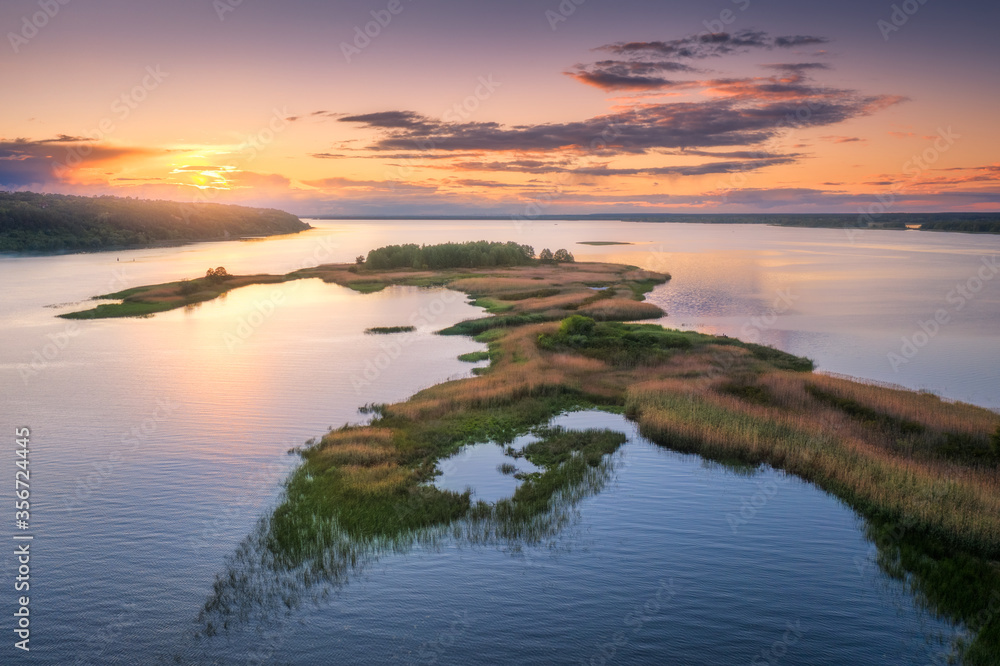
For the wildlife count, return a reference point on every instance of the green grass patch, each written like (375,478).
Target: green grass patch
(557,446)
(572,461)
(372,500)
(776,357)
(475,357)
(387,330)
(115,310)
(642,287)
(492,305)
(474,327)
(623,345)
(629,345)
(491,335)
(367,287)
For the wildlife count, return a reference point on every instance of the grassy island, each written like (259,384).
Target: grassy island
(502,277)
(922,471)
(389,330)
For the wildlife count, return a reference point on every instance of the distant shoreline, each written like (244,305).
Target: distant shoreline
(982,223)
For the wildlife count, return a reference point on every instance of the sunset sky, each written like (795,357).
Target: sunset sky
(511,107)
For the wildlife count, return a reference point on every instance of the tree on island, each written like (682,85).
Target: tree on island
(475,254)
(217,274)
(561,256)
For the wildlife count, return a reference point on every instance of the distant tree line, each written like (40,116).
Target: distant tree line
(474,254)
(968,222)
(31,222)
(986,225)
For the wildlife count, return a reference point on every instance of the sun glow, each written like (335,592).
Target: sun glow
(206,178)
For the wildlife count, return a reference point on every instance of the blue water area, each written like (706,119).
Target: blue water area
(476,467)
(132,530)
(662,565)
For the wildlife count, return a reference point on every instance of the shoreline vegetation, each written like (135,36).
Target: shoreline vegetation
(52,223)
(921,471)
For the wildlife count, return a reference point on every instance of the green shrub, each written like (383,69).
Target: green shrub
(577,325)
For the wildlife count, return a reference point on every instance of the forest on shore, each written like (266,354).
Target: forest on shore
(31,222)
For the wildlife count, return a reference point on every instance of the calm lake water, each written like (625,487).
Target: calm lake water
(157,444)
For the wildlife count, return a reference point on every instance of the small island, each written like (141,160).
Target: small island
(389,330)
